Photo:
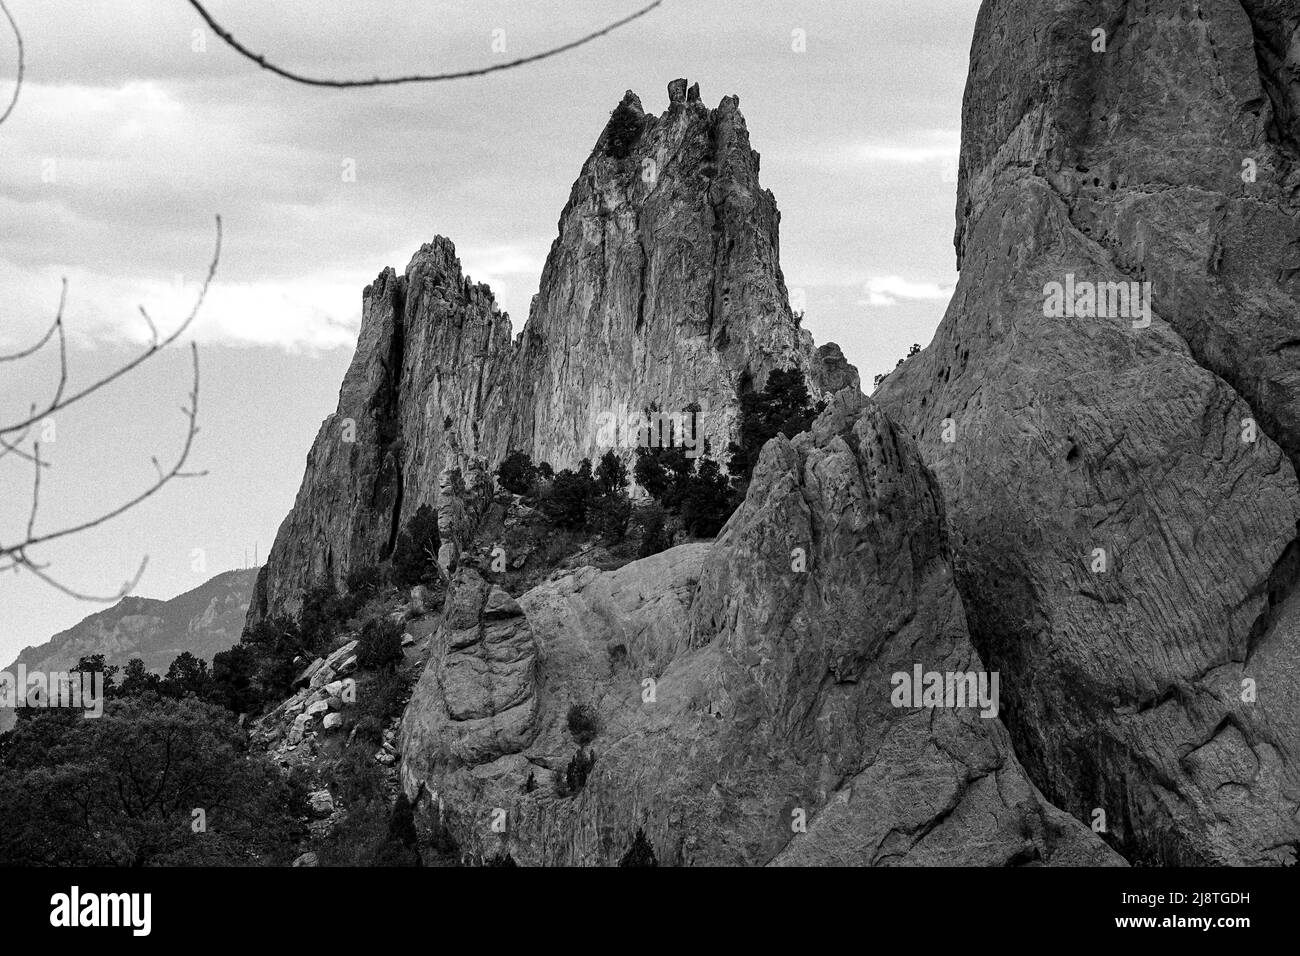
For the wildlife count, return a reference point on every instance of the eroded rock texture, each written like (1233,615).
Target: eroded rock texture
(431,361)
(662,288)
(663,285)
(1169,158)
(736,694)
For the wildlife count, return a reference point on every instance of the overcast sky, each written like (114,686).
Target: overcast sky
(136,126)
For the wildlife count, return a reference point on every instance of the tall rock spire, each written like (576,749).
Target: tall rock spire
(662,288)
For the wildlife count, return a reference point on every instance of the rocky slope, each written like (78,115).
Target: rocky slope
(1122,497)
(203,621)
(743,706)
(662,288)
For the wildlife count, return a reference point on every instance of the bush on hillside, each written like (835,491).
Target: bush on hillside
(517,474)
(415,556)
(380,645)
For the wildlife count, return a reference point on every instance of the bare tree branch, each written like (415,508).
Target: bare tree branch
(58,319)
(59,402)
(261,61)
(18,80)
(164,477)
(17,556)
(126,588)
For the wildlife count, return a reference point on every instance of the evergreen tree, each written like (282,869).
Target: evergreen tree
(640,853)
(415,557)
(611,474)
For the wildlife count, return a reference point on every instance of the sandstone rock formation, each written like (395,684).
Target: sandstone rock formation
(736,695)
(432,355)
(1126,552)
(662,288)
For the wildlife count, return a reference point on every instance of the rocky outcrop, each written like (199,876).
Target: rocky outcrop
(742,693)
(664,279)
(430,361)
(830,372)
(663,288)
(1120,484)
(476,701)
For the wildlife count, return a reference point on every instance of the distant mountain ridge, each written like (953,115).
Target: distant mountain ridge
(203,621)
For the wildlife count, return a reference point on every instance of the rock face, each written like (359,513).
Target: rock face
(664,278)
(741,691)
(662,288)
(431,360)
(1121,496)
(476,700)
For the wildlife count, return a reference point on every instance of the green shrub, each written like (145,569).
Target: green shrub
(369,730)
(782,408)
(707,500)
(608,515)
(623,131)
(380,645)
(517,474)
(364,582)
(577,772)
(137,680)
(654,535)
(384,696)
(565,503)
(640,853)
(611,474)
(415,556)
(584,723)
(187,675)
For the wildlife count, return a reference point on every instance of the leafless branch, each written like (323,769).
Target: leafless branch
(261,60)
(164,477)
(58,319)
(18,556)
(157,345)
(126,588)
(18,80)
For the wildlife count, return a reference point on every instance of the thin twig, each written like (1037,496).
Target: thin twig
(176,471)
(12,448)
(18,81)
(17,556)
(58,318)
(36,491)
(59,403)
(261,60)
(126,588)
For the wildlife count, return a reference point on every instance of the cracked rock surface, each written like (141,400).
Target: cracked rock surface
(769,691)
(1128,561)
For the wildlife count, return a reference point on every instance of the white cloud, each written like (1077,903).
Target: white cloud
(939,148)
(512,272)
(889,290)
(310,313)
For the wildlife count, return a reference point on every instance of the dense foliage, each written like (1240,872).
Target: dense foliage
(154,781)
(415,557)
(783,407)
(640,853)
(623,131)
